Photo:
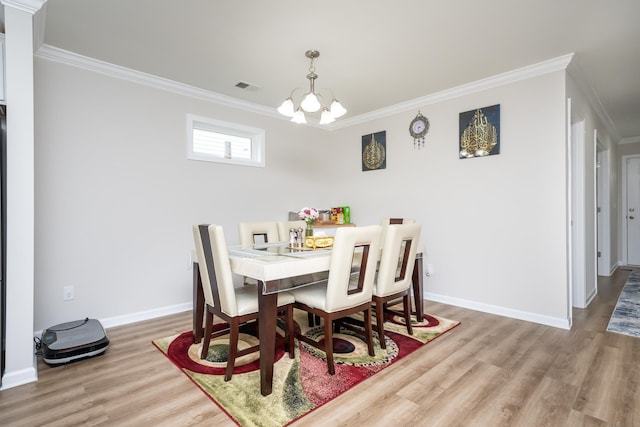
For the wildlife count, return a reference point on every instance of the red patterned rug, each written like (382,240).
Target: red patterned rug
(299,385)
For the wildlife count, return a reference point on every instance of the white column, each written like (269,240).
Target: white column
(20,365)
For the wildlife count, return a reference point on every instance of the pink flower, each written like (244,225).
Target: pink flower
(308,214)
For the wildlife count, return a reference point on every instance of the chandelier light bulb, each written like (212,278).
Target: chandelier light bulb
(337,110)
(326,117)
(286,108)
(298,117)
(310,103)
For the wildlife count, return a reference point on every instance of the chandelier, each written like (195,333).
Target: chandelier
(310,103)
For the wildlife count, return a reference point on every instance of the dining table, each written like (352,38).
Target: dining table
(278,267)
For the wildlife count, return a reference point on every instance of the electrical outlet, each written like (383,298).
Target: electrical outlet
(68,293)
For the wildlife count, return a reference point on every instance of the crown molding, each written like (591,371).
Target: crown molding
(629,140)
(30,6)
(541,68)
(575,71)
(75,60)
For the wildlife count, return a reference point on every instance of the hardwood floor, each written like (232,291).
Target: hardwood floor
(489,371)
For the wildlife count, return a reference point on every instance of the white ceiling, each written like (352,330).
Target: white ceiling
(373,53)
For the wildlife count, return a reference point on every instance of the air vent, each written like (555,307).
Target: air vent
(247,86)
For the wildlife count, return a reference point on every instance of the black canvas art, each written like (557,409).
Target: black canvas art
(374,151)
(480,132)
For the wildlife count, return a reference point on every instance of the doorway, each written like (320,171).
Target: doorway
(631,209)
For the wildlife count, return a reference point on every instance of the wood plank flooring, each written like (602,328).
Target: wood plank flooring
(489,371)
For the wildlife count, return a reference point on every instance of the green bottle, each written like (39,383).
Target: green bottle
(346,211)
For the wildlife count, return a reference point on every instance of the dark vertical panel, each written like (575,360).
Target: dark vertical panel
(3,238)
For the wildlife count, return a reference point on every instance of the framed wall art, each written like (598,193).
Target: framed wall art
(480,132)
(374,151)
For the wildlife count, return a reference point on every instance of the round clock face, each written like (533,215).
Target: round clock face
(419,126)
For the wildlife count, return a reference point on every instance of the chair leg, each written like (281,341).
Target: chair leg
(310,319)
(380,322)
(367,330)
(328,345)
(407,313)
(313,320)
(290,331)
(206,339)
(234,331)
(336,326)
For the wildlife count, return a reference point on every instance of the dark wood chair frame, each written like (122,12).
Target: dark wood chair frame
(330,317)
(381,303)
(234,321)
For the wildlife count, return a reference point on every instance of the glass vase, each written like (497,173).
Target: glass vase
(309,230)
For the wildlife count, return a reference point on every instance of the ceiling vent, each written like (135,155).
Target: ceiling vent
(247,86)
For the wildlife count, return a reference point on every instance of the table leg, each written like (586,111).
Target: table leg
(267,317)
(418,286)
(198,305)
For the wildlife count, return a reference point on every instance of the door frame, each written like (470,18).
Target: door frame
(623,204)
(603,202)
(577,212)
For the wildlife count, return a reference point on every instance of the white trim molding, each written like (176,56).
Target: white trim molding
(556,322)
(16,378)
(83,62)
(629,140)
(541,68)
(73,59)
(29,6)
(578,75)
(140,316)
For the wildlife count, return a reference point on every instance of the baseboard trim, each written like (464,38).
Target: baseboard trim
(591,297)
(21,377)
(14,379)
(111,322)
(613,268)
(556,322)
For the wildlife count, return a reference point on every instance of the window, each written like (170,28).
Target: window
(223,142)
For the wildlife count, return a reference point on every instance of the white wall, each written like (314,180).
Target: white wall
(116,196)
(583,109)
(494,227)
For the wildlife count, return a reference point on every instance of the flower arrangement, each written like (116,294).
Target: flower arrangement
(308,214)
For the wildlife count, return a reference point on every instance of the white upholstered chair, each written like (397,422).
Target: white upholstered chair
(258,232)
(393,221)
(395,270)
(385,222)
(285,226)
(235,306)
(343,293)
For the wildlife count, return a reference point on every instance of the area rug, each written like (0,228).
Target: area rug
(626,315)
(302,384)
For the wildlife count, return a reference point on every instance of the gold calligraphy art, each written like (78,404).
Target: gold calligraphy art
(479,138)
(373,154)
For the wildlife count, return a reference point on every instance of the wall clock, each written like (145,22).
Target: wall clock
(418,128)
